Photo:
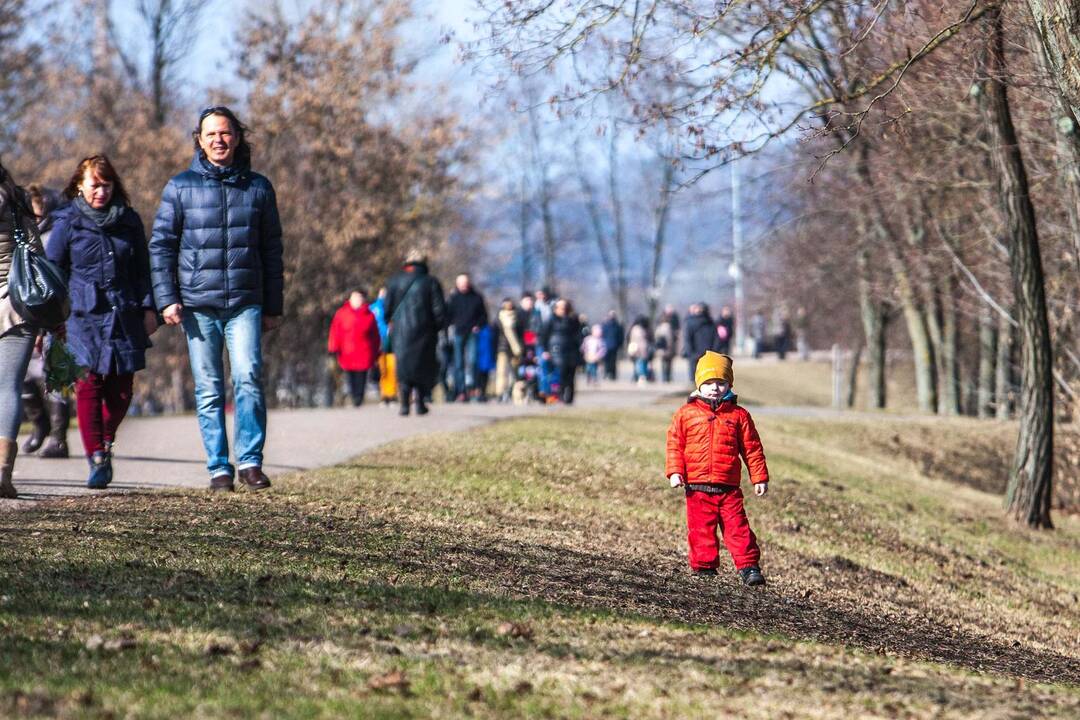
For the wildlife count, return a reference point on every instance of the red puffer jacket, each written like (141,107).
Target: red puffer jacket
(705,446)
(354,338)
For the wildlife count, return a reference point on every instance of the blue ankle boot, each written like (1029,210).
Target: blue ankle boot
(100,471)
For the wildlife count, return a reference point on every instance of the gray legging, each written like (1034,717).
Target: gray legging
(15,348)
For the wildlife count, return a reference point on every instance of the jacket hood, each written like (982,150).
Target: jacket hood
(365,308)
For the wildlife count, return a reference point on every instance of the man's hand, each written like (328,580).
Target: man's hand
(271,322)
(676,480)
(173,314)
(150,322)
(760,489)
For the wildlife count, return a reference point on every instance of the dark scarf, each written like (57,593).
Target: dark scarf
(104,219)
(224,174)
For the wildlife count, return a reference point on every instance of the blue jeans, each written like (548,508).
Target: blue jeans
(209,331)
(464,362)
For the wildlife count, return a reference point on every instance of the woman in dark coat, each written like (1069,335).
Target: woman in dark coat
(99,242)
(561,340)
(415,313)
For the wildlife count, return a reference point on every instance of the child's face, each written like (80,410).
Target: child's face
(714,389)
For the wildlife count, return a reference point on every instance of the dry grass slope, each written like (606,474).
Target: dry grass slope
(536,569)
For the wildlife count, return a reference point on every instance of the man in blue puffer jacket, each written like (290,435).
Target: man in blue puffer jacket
(216,267)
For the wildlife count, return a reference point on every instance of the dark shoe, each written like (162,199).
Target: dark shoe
(752,576)
(703,572)
(222,483)
(37,437)
(100,471)
(55,449)
(253,478)
(421,406)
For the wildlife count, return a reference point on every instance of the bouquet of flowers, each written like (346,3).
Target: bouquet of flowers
(61,370)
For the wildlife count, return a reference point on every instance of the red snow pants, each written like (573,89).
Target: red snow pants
(705,514)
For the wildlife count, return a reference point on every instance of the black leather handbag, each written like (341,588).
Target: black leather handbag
(36,286)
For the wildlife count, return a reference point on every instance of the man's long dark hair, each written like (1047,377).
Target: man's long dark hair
(243,148)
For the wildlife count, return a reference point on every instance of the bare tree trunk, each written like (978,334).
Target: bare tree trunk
(934,330)
(663,209)
(922,352)
(873,317)
(1058,23)
(547,219)
(987,362)
(1030,484)
(523,235)
(1003,381)
(949,360)
(619,233)
(921,347)
(616,277)
(853,375)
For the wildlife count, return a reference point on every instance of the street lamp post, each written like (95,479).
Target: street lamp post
(735,270)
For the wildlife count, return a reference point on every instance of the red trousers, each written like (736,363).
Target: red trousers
(705,514)
(101,402)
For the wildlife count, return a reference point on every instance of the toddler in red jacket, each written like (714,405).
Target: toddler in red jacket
(708,438)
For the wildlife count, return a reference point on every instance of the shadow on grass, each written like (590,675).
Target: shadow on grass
(277,571)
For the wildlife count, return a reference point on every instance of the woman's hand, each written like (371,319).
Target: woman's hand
(150,323)
(676,480)
(174,314)
(760,489)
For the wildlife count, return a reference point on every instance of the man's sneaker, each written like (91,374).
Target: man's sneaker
(253,478)
(703,572)
(222,483)
(752,576)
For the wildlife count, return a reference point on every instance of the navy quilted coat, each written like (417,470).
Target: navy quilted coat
(216,241)
(109,282)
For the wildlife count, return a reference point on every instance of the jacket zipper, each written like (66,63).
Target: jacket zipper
(225,225)
(712,455)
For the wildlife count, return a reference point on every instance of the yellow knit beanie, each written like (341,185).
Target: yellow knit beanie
(713,365)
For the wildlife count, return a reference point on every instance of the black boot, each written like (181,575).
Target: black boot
(751,576)
(404,397)
(34,407)
(421,405)
(60,417)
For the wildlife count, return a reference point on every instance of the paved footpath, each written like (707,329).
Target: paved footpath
(162,452)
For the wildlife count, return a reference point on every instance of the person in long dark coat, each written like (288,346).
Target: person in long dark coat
(415,313)
(614,337)
(99,243)
(700,335)
(561,340)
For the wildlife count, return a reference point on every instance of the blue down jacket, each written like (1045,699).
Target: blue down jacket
(109,283)
(216,241)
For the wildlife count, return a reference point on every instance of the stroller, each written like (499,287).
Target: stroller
(527,384)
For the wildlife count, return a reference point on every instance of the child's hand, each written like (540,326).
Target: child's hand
(760,489)
(676,480)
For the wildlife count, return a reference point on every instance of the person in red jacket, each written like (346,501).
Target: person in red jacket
(354,338)
(707,441)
